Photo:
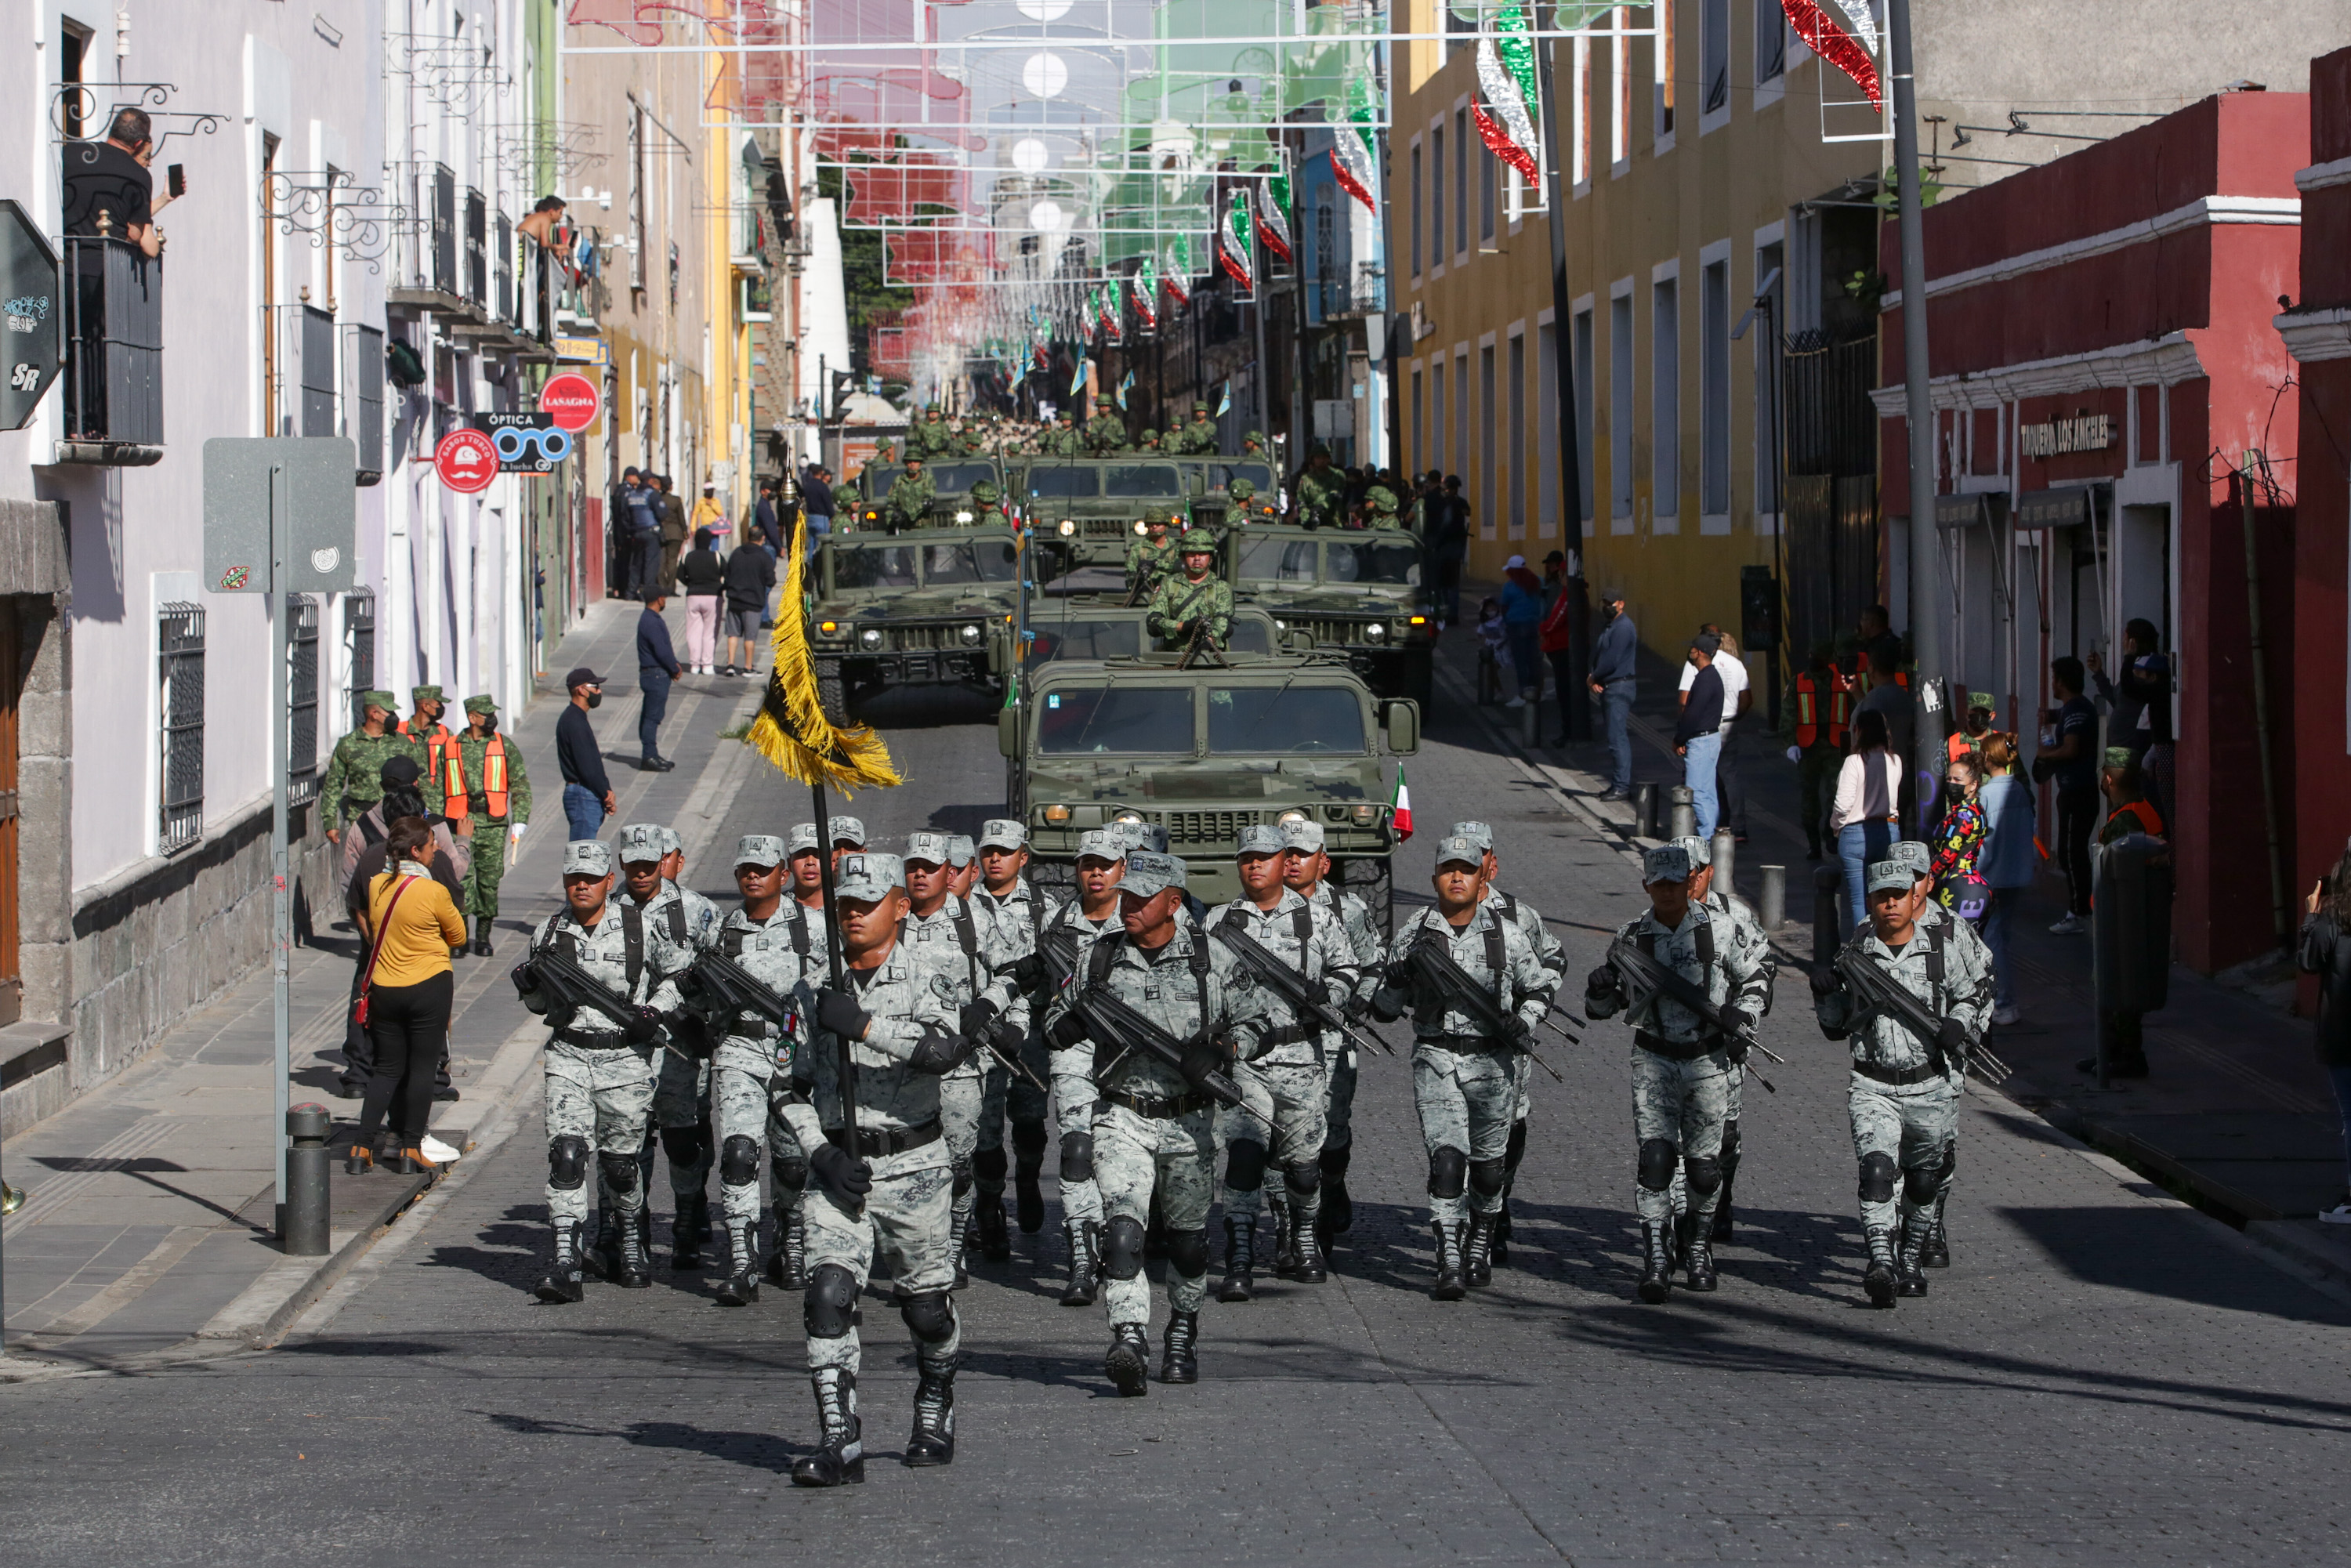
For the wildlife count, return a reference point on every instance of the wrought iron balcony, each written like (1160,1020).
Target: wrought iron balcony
(113,410)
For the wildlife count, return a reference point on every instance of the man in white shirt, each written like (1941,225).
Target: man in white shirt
(1737,693)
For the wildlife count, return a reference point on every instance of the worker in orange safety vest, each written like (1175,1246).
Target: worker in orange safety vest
(482,774)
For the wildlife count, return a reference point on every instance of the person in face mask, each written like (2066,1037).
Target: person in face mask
(587,792)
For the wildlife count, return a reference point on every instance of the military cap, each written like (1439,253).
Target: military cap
(1382,498)
(1913,854)
(642,842)
(1197,541)
(911,459)
(382,699)
(762,849)
(1983,700)
(1148,872)
(986,490)
(1885,875)
(802,838)
(1699,853)
(586,857)
(1667,862)
(1242,489)
(930,408)
(2118,757)
(399,771)
(1261,839)
(931,849)
(1002,833)
(1303,834)
(671,844)
(1199,408)
(1102,844)
(1457,851)
(483,704)
(846,831)
(1478,833)
(869,877)
(1157,518)
(1144,836)
(1256,436)
(425,694)
(961,852)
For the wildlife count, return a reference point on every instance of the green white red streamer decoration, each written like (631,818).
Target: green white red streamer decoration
(1507,106)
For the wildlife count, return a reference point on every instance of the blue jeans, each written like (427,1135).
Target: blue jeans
(1858,844)
(1526,654)
(654,683)
(1699,754)
(583,811)
(1616,704)
(2000,917)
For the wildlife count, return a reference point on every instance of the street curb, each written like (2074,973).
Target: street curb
(2295,1249)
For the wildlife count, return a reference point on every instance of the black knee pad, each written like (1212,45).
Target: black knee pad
(1448,1172)
(1028,1144)
(619,1171)
(1123,1246)
(1920,1183)
(930,1317)
(1244,1166)
(962,1169)
(1516,1150)
(1704,1174)
(683,1145)
(1303,1177)
(831,1305)
(790,1173)
(739,1162)
(1077,1156)
(1188,1252)
(1487,1176)
(1731,1145)
(566,1163)
(1877,1174)
(1659,1157)
(987,1165)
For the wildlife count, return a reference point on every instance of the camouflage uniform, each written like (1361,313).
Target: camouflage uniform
(1200,435)
(1019,915)
(932,437)
(354,772)
(489,863)
(1154,1133)
(1319,490)
(1721,902)
(848,501)
(600,1082)
(1150,562)
(1553,958)
(1179,601)
(787,1160)
(912,497)
(679,1116)
(1062,441)
(428,736)
(1381,501)
(1105,435)
(1681,1068)
(1903,1097)
(1070,1073)
(909,1035)
(1370,947)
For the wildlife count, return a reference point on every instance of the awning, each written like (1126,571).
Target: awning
(1985,508)
(2070,508)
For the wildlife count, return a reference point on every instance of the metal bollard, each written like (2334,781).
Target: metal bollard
(307,1213)
(1722,855)
(1828,912)
(1530,724)
(1772,907)
(1684,824)
(1645,810)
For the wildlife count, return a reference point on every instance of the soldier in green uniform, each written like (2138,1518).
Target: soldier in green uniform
(353,781)
(1253,446)
(431,738)
(911,497)
(1150,558)
(1319,489)
(1062,440)
(498,788)
(1245,508)
(932,438)
(1150,443)
(1381,505)
(848,501)
(985,512)
(1198,603)
(1200,435)
(1106,434)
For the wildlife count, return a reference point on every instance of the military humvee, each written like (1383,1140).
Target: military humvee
(1352,591)
(951,482)
(1105,627)
(913,610)
(1084,509)
(1204,753)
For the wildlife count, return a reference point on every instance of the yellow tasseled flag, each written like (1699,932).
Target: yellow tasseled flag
(792,731)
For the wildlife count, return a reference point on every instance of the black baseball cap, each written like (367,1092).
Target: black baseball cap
(582,676)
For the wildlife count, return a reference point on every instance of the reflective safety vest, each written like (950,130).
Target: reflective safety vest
(452,763)
(1808,716)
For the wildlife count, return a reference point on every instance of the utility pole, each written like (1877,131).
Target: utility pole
(1574,713)
(1927,592)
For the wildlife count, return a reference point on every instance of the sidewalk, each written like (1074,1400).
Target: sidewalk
(148,1236)
(2237,1115)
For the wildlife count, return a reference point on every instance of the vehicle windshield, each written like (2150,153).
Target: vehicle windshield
(1140,480)
(1081,721)
(1052,481)
(1250,634)
(976,560)
(1255,720)
(1391,561)
(1120,639)
(1222,475)
(946,478)
(1278,559)
(872,566)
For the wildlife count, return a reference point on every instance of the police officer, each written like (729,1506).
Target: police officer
(1465,1074)
(1018,912)
(483,778)
(1305,870)
(1288,1087)
(599,1072)
(679,1113)
(354,772)
(1903,1098)
(1064,943)
(882,1185)
(1154,1131)
(1150,557)
(808,928)
(1553,957)
(1197,602)
(1726,904)
(1681,1063)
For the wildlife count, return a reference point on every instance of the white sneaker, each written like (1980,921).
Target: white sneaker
(1516,702)
(2003,1017)
(2069,927)
(2339,1215)
(439,1153)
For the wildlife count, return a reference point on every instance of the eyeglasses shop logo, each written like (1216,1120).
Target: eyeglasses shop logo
(25,313)
(526,443)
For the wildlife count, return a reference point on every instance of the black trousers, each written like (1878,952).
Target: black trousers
(2077,818)
(407,1025)
(359,1051)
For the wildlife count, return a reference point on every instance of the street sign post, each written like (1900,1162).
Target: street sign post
(280,518)
(31,317)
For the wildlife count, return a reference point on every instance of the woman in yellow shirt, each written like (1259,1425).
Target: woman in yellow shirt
(409,994)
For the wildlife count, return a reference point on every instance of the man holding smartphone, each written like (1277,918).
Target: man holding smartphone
(108,195)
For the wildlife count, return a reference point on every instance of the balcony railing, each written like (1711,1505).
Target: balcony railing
(427,252)
(113,410)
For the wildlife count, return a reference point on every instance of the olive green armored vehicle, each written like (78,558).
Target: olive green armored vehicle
(1353,592)
(923,609)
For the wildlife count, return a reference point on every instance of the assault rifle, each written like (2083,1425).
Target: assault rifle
(1434,968)
(1647,978)
(567,985)
(1881,994)
(1288,984)
(722,990)
(1114,1023)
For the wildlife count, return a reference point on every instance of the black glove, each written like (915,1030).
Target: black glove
(845,1179)
(1518,1034)
(976,1016)
(1739,1021)
(1027,971)
(690,1035)
(525,975)
(1319,992)
(1826,981)
(940,1053)
(839,1012)
(1203,1055)
(643,1027)
(1067,1031)
(1605,981)
(1953,1038)
(1387,1006)
(1736,1050)
(1009,1036)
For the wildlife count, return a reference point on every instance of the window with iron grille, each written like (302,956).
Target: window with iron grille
(358,650)
(316,369)
(302,715)
(362,404)
(179,821)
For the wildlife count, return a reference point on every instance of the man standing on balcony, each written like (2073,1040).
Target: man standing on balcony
(108,195)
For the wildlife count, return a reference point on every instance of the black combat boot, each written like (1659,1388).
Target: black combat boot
(1306,1265)
(1512,1155)
(603,1257)
(1502,1247)
(1878,1277)
(566,1279)
(958,1228)
(987,1220)
(1085,1261)
(1241,1259)
(1721,1228)
(1128,1365)
(1477,1251)
(789,1267)
(742,1286)
(645,1234)
(482,937)
(1678,1239)
(1028,1162)
(1656,1263)
(633,1270)
(934,1439)
(1449,1284)
(1337,1215)
(1916,1225)
(687,1228)
(839,1453)
(1177,1360)
(1697,1261)
(1936,1253)
(1284,1254)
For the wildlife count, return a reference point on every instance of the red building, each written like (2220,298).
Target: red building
(2105,369)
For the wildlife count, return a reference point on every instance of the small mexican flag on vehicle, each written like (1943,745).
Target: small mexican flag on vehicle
(1400,806)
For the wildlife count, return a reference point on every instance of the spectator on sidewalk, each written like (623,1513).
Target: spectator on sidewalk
(708,514)
(1869,786)
(2145,685)
(657,666)
(1881,650)
(2009,863)
(672,534)
(2326,952)
(620,525)
(410,924)
(1449,546)
(1612,682)
(1823,710)
(750,573)
(1737,693)
(702,577)
(2070,756)
(364,856)
(1561,635)
(587,793)
(1959,841)
(1523,608)
(1697,737)
(2129,813)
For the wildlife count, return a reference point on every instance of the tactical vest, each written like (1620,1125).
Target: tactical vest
(1107,945)
(1301,927)
(632,941)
